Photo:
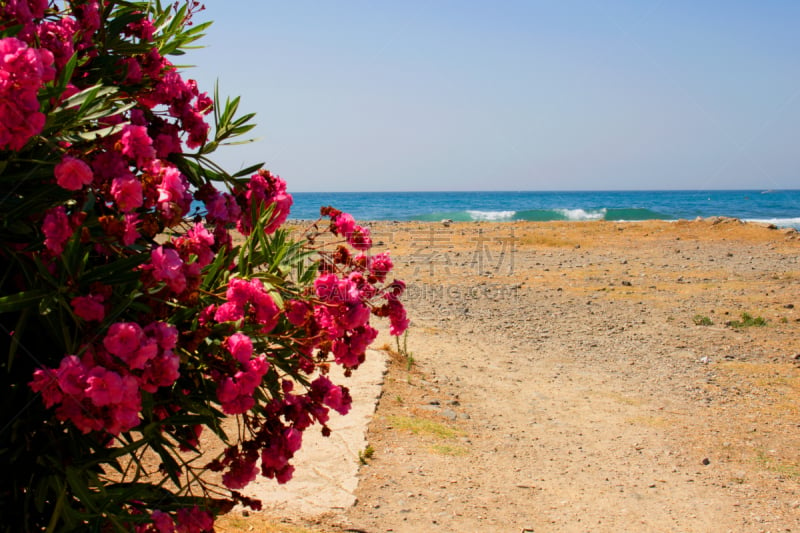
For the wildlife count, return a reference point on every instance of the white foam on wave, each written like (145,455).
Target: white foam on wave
(491,215)
(780,222)
(581,214)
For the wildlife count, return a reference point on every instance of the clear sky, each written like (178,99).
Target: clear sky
(512,95)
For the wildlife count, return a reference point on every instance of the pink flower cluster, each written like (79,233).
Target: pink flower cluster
(266,191)
(235,393)
(274,442)
(248,300)
(72,173)
(23,13)
(178,264)
(92,307)
(274,445)
(344,315)
(23,71)
(101,390)
(345,225)
(186,520)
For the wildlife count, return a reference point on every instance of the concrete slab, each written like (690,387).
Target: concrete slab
(326,468)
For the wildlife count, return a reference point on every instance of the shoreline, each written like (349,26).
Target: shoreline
(768,223)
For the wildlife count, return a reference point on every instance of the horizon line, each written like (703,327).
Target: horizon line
(542,190)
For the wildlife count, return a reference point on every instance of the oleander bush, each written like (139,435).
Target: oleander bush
(146,294)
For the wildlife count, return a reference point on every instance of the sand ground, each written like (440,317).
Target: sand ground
(586,377)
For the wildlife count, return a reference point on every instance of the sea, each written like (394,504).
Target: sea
(779,207)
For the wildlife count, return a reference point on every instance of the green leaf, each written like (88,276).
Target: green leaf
(117,271)
(97,134)
(248,170)
(21,300)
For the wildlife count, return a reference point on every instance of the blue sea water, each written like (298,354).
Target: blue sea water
(780,207)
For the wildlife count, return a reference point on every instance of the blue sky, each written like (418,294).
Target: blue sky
(514,95)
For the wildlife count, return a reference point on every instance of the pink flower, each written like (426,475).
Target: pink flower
(45,381)
(124,415)
(23,12)
(80,414)
(130,234)
(174,198)
(123,338)
(239,405)
(229,312)
(168,267)
(138,359)
(266,189)
(23,71)
(239,292)
(72,376)
(193,123)
(240,474)
(360,238)
(204,104)
(336,397)
(344,355)
(258,366)
(327,321)
(88,15)
(167,142)
(275,458)
(161,371)
(353,315)
(162,522)
(251,298)
(173,185)
(381,265)
(297,312)
(293,440)
(344,224)
(222,207)
(198,241)
(56,229)
(104,387)
(127,192)
(235,394)
(142,28)
(267,311)
(227,391)
(194,520)
(398,321)
(329,288)
(89,307)
(240,346)
(132,69)
(110,165)
(90,396)
(165,334)
(58,37)
(137,145)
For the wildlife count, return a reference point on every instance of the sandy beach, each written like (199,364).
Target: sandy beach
(597,376)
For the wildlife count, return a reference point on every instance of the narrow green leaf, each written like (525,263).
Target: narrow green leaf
(248,170)
(21,300)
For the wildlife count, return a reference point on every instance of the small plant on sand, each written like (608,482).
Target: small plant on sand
(449,449)
(366,454)
(702,320)
(424,426)
(773,464)
(403,350)
(748,321)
